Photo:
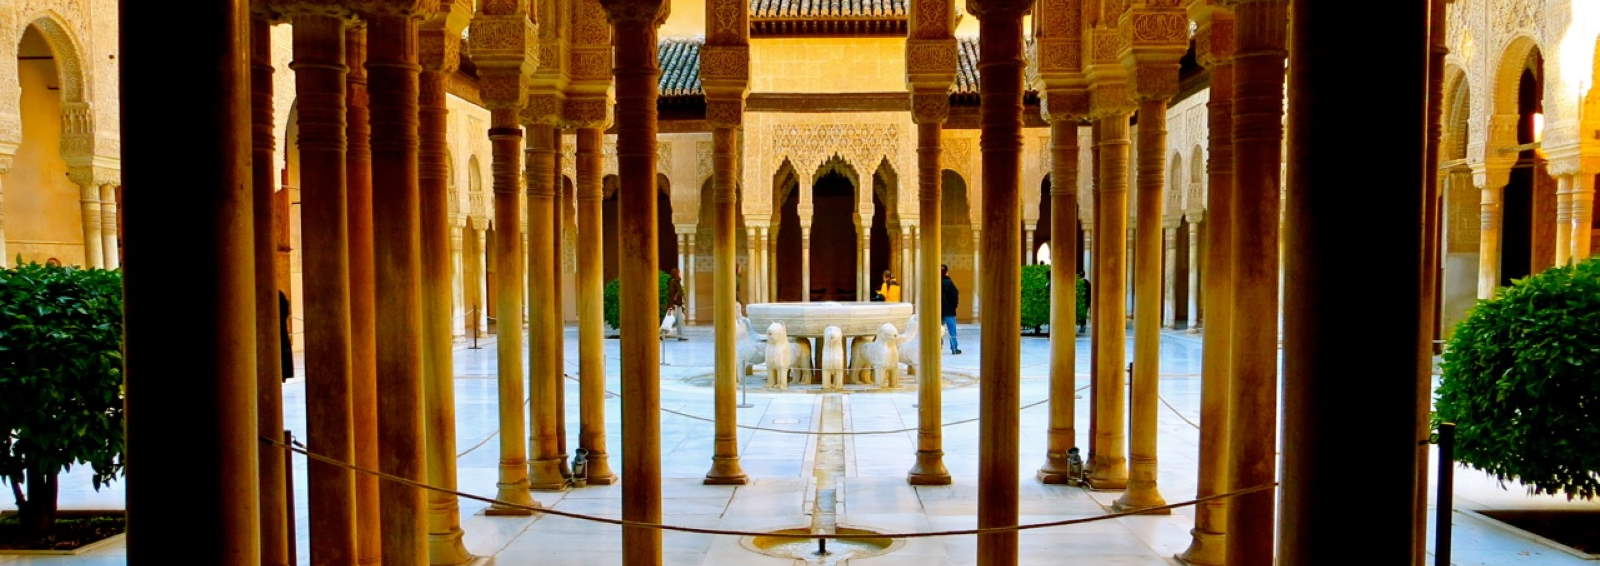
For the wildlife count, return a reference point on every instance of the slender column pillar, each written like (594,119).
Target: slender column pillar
(864,282)
(442,33)
(558,300)
(1027,246)
(213,277)
(1196,270)
(689,275)
(1582,216)
(1258,141)
(1323,317)
(363,289)
(1062,435)
(505,140)
(1000,118)
(393,70)
(1209,536)
(805,263)
(1489,220)
(1110,466)
(544,463)
(5,167)
(933,109)
(725,469)
(89,195)
(108,226)
(1169,270)
(637,74)
(1091,241)
(472,278)
(1148,240)
(591,309)
(1564,226)
(319,68)
(769,270)
(1431,267)
(269,376)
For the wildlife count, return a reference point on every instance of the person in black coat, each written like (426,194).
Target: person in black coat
(950,298)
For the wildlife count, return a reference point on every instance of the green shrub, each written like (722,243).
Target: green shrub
(1036,297)
(61,379)
(1522,383)
(613,307)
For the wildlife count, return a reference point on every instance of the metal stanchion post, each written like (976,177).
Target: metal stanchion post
(1444,503)
(288,490)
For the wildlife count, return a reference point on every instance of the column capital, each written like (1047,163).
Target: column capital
(931,63)
(1064,105)
(998,8)
(930,107)
(586,112)
(544,108)
(725,70)
(439,45)
(636,11)
(505,50)
(725,111)
(1152,38)
(1214,40)
(404,8)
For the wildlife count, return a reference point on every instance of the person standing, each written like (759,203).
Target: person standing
(675,303)
(950,298)
(889,291)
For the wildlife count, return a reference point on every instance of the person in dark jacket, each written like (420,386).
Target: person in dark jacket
(950,298)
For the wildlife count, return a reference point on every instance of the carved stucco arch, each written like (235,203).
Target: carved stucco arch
(1175,190)
(1196,202)
(1457,113)
(77,116)
(1502,116)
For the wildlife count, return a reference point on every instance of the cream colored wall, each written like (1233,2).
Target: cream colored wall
(43,215)
(828,64)
(686,19)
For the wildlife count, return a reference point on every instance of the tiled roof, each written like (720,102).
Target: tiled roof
(966,84)
(680,67)
(784,9)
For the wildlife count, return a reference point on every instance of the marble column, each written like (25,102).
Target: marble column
(441,34)
(393,69)
(1209,535)
(1196,270)
(591,308)
(866,281)
(1027,246)
(725,468)
(558,300)
(999,283)
(637,74)
(1563,230)
(689,277)
(89,196)
(805,263)
(205,266)
(5,167)
(1489,220)
(363,330)
(1148,242)
(1325,320)
(1110,465)
(505,140)
(108,226)
(269,376)
(544,314)
(1062,433)
(319,67)
(1253,392)
(932,109)
(769,267)
(1169,277)
(1582,215)
(472,278)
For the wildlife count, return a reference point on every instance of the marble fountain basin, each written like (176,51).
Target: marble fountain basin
(808,319)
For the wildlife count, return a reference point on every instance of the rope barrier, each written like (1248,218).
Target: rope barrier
(1176,412)
(301,449)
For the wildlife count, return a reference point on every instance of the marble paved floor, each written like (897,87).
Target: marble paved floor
(873,493)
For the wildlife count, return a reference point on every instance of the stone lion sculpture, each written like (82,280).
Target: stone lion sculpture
(911,352)
(832,358)
(750,350)
(781,355)
(884,355)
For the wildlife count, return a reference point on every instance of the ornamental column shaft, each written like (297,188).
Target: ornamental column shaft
(1564,226)
(1214,43)
(108,226)
(89,197)
(544,463)
(393,69)
(637,74)
(1062,434)
(591,308)
(363,314)
(1582,216)
(1323,320)
(319,67)
(269,376)
(725,468)
(1253,392)
(1000,66)
(441,36)
(506,56)
(1109,335)
(213,277)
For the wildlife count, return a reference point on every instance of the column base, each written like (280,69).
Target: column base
(1056,471)
(726,471)
(599,470)
(445,549)
(516,493)
(545,475)
(1134,500)
(563,468)
(929,469)
(1110,474)
(1205,549)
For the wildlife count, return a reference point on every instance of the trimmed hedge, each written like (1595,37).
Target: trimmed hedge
(613,307)
(1522,383)
(1036,297)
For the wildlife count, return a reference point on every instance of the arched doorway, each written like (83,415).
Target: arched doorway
(833,238)
(703,287)
(883,237)
(957,247)
(666,235)
(44,208)
(1462,214)
(787,269)
(1527,231)
(1041,229)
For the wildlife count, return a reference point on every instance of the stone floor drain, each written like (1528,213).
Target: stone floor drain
(808,549)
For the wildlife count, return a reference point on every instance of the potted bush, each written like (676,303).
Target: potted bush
(613,306)
(61,378)
(1522,383)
